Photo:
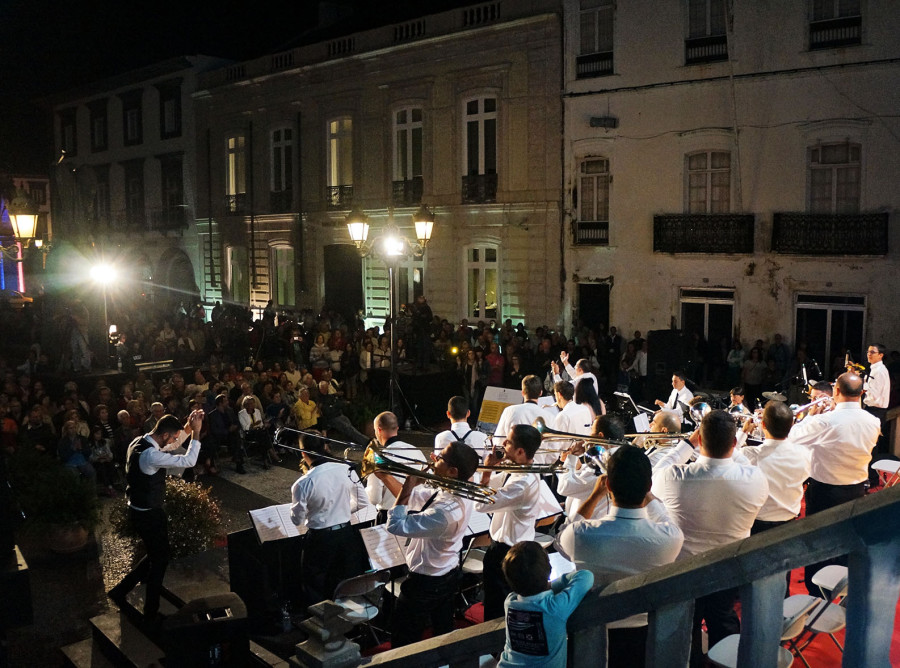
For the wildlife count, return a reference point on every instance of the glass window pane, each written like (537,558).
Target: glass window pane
(490,146)
(417,115)
(820,191)
(587,199)
(693,318)
(720,160)
(602,198)
(401,116)
(472,148)
(474,293)
(472,107)
(416,152)
(697,193)
(490,293)
(490,105)
(697,161)
(588,32)
(402,158)
(490,254)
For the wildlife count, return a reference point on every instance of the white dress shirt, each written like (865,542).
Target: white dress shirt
(379,495)
(525,413)
(841,442)
(250,421)
(435,534)
(326,495)
(575,378)
(878,386)
(576,485)
(786,467)
(624,542)
(153,459)
(574,419)
(684,395)
(713,501)
(473,438)
(515,506)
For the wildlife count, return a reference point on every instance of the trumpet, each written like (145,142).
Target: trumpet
(800,412)
(549,434)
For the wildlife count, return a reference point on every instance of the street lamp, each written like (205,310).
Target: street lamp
(390,247)
(103,274)
(23,217)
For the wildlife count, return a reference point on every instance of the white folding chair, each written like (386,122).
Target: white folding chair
(888,471)
(361,598)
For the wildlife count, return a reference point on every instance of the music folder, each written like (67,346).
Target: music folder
(385,550)
(274,522)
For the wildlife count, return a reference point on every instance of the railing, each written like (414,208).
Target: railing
(341,47)
(594,65)
(235,72)
(830,234)
(281,201)
(474,16)
(236,203)
(282,61)
(703,233)
(339,197)
(867,529)
(591,233)
(407,192)
(479,189)
(835,32)
(411,30)
(705,49)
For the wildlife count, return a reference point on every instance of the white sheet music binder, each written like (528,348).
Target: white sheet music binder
(274,522)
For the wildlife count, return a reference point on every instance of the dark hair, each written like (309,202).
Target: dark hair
(717,432)
(316,446)
(629,475)
(778,419)
(526,437)
(681,374)
(823,386)
(526,568)
(850,385)
(584,365)
(167,424)
(458,407)
(586,394)
(565,389)
(739,390)
(881,348)
(532,386)
(611,427)
(463,458)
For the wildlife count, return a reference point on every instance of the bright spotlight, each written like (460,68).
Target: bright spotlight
(104,273)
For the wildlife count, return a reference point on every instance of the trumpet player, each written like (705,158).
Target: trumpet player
(514,510)
(578,478)
(387,429)
(435,522)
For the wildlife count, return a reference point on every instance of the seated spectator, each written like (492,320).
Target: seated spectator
(101,458)
(71,451)
(251,419)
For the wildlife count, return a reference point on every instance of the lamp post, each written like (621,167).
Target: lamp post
(390,247)
(103,274)
(23,217)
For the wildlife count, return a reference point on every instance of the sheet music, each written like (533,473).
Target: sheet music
(384,548)
(641,423)
(479,523)
(274,523)
(363,515)
(559,565)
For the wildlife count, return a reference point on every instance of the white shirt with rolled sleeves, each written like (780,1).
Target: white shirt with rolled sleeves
(379,495)
(435,534)
(473,438)
(713,501)
(622,542)
(570,372)
(153,459)
(841,442)
(878,386)
(515,506)
(326,496)
(786,467)
(525,413)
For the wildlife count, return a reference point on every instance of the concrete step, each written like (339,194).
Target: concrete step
(122,643)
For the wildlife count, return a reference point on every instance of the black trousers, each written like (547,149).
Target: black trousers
(329,557)
(721,621)
(881,446)
(495,586)
(822,496)
(424,597)
(762,525)
(153,528)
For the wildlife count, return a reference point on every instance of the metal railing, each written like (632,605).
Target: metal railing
(867,529)
(479,189)
(407,192)
(703,233)
(705,49)
(236,203)
(594,233)
(832,33)
(830,234)
(281,201)
(594,65)
(339,197)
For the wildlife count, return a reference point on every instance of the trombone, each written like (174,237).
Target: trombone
(549,434)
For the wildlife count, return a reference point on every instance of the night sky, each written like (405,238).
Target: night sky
(50,46)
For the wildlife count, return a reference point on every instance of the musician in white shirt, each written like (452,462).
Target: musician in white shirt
(458,412)
(878,390)
(680,396)
(524,413)
(434,521)
(387,429)
(581,371)
(577,479)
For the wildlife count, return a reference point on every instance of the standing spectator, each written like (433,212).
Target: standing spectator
(752,377)
(735,362)
(496,363)
(781,353)
(421,316)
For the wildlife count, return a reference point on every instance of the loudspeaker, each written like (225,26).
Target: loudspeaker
(209,631)
(666,353)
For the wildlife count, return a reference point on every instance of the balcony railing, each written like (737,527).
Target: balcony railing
(703,233)
(832,33)
(867,529)
(407,192)
(594,65)
(479,189)
(591,233)
(167,219)
(339,197)
(281,201)
(830,234)
(705,49)
(236,203)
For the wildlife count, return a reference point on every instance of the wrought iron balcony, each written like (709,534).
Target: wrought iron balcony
(339,197)
(479,189)
(166,219)
(832,33)
(705,49)
(594,65)
(830,234)
(281,201)
(591,233)
(236,203)
(703,233)
(408,192)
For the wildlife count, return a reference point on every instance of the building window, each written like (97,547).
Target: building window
(834,178)
(282,159)
(37,192)
(709,313)
(173,213)
(706,41)
(169,109)
(282,267)
(68,135)
(340,162)
(835,23)
(235,173)
(831,326)
(592,226)
(99,126)
(482,272)
(101,194)
(407,183)
(237,274)
(134,192)
(410,279)
(709,182)
(480,158)
(596,49)
(132,118)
